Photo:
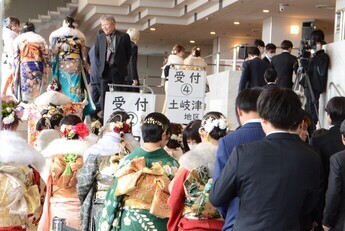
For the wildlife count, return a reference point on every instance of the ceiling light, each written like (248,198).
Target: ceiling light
(152,28)
(237,23)
(192,41)
(212,32)
(266,11)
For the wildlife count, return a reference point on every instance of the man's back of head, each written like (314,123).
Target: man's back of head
(286,45)
(335,109)
(281,107)
(246,104)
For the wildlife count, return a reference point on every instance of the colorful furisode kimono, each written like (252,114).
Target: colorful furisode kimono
(137,199)
(8,37)
(189,203)
(21,187)
(30,58)
(96,175)
(63,160)
(68,63)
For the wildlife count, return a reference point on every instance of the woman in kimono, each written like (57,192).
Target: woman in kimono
(69,60)
(64,157)
(21,186)
(9,32)
(137,199)
(31,60)
(175,144)
(194,59)
(189,204)
(101,161)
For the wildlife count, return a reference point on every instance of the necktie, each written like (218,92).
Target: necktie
(108,47)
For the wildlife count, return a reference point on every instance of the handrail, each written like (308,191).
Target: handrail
(335,87)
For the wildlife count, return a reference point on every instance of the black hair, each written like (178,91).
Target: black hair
(10,21)
(317,35)
(335,108)
(216,132)
(270,75)
(191,132)
(342,128)
(286,44)
(153,127)
(49,122)
(70,120)
(253,51)
(270,46)
(28,26)
(259,42)
(176,129)
(281,107)
(196,51)
(69,21)
(247,99)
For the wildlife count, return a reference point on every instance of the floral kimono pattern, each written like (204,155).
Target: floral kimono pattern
(137,199)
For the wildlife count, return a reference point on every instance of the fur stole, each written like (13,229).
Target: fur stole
(29,37)
(203,154)
(45,138)
(65,31)
(52,97)
(7,37)
(196,61)
(174,59)
(14,149)
(63,146)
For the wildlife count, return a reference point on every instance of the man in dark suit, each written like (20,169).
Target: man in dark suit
(112,51)
(277,178)
(285,64)
(329,142)
(334,212)
(253,70)
(249,131)
(270,52)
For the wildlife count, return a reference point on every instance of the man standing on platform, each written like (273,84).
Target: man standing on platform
(112,51)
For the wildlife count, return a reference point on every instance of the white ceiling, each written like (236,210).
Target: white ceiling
(179,21)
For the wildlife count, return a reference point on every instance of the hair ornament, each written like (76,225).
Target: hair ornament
(69,131)
(151,120)
(121,127)
(53,86)
(10,113)
(211,123)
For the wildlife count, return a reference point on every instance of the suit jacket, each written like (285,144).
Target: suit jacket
(266,59)
(277,180)
(284,65)
(122,53)
(249,132)
(253,73)
(334,212)
(132,72)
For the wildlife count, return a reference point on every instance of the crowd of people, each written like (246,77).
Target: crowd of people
(274,172)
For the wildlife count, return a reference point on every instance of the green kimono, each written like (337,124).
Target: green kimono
(135,201)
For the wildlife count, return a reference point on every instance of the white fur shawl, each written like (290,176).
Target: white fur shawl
(63,146)
(8,36)
(45,137)
(196,61)
(65,31)
(15,149)
(53,97)
(174,59)
(203,154)
(30,37)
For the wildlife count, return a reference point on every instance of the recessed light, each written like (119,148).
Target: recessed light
(152,28)
(212,32)
(192,41)
(266,11)
(237,23)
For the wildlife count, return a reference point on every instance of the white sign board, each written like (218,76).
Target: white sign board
(186,94)
(137,105)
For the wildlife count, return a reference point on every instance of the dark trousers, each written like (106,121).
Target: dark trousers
(110,75)
(310,106)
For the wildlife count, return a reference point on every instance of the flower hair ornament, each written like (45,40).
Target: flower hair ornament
(211,123)
(69,131)
(151,120)
(53,86)
(121,127)
(10,113)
